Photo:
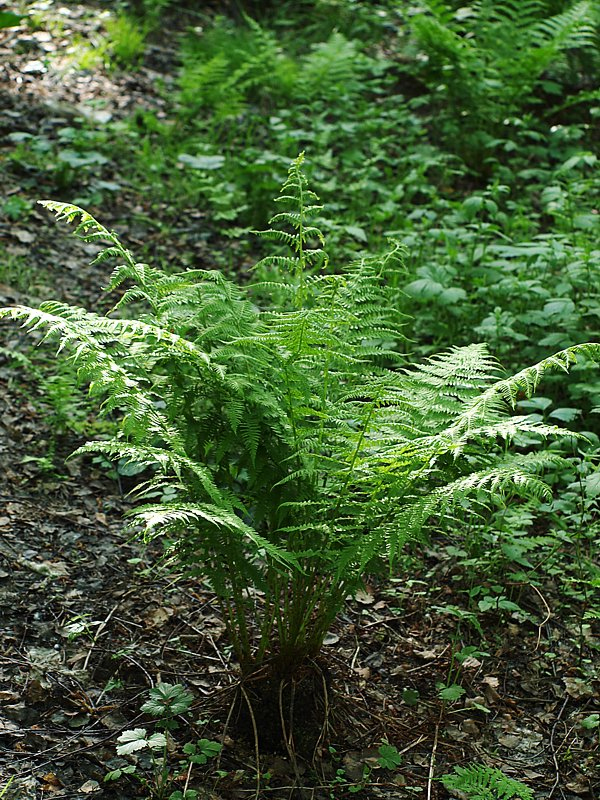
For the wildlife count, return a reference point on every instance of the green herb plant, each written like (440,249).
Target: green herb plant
(166,702)
(288,446)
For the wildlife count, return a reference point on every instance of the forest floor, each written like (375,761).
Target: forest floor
(89,623)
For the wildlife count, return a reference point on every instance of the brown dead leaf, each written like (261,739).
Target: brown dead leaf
(489,689)
(364,597)
(470,727)
(578,688)
(427,655)
(7,725)
(509,740)
(455,733)
(471,663)
(51,779)
(157,617)
(36,691)
(89,786)
(363,672)
(51,569)
(579,786)
(25,237)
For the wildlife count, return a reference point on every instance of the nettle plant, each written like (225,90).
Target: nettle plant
(288,447)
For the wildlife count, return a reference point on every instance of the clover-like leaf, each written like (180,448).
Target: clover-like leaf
(167,700)
(209,748)
(389,757)
(131,741)
(157,741)
(451,693)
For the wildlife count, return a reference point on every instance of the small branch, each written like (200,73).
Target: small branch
(256,742)
(553,750)
(432,759)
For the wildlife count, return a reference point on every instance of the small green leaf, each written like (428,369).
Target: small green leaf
(592,484)
(157,741)
(356,232)
(201,162)
(565,414)
(9,20)
(389,757)
(591,722)
(131,741)
(166,700)
(209,748)
(451,693)
(410,697)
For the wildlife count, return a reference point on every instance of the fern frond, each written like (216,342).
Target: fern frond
(524,383)
(480,782)
(174,516)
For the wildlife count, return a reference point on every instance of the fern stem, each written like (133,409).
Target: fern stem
(366,423)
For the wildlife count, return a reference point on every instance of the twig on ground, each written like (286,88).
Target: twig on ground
(432,759)
(553,749)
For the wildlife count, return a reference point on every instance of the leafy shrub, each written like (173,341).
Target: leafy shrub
(289,448)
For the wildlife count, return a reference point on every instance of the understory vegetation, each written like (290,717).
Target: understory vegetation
(360,338)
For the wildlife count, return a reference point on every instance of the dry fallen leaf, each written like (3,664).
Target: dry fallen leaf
(578,688)
(509,740)
(489,689)
(471,663)
(89,786)
(25,237)
(470,727)
(157,617)
(579,786)
(363,672)
(427,655)
(364,597)
(52,569)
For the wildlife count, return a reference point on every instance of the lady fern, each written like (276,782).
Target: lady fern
(480,782)
(288,446)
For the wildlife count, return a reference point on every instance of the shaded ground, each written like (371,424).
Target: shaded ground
(85,630)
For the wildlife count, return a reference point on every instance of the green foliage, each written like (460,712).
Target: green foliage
(166,701)
(480,782)
(485,61)
(8,19)
(126,40)
(389,757)
(287,447)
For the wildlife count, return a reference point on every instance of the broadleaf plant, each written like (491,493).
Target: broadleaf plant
(288,445)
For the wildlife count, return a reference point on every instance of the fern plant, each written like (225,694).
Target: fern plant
(480,782)
(288,446)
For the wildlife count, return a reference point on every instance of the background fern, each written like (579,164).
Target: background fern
(488,60)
